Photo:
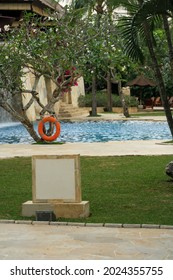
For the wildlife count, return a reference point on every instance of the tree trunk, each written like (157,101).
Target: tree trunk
(124,105)
(94,99)
(48,88)
(24,120)
(30,128)
(109,92)
(99,11)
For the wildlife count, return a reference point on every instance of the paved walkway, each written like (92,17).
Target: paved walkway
(43,241)
(39,241)
(113,148)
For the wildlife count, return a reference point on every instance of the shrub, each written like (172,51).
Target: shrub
(86,101)
(116,101)
(131,101)
(101,99)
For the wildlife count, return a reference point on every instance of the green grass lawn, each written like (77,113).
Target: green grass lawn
(147,113)
(129,189)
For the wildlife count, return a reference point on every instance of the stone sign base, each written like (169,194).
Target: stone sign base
(64,210)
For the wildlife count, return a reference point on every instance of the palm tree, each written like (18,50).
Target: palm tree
(139,25)
(158,9)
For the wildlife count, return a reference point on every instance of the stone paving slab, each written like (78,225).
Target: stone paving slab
(112,148)
(49,242)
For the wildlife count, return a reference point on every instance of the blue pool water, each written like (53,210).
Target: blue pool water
(92,131)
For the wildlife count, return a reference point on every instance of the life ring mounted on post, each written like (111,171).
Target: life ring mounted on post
(41,128)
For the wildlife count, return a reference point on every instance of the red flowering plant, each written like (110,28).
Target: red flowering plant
(68,79)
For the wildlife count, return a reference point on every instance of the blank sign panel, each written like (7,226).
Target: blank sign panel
(56,178)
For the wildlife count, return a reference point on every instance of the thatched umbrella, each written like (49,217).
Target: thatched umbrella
(142,81)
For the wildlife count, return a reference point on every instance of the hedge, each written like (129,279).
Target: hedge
(86,101)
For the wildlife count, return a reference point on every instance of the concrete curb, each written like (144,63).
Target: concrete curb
(108,225)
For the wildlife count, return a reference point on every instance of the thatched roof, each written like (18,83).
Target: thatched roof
(141,80)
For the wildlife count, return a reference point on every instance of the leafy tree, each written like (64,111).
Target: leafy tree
(109,55)
(50,48)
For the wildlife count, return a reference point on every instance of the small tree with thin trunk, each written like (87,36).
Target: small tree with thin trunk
(51,48)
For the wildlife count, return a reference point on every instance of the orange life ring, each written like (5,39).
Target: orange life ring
(41,129)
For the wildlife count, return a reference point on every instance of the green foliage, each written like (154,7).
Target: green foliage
(105,50)
(49,47)
(11,63)
(53,45)
(133,27)
(86,101)
(131,101)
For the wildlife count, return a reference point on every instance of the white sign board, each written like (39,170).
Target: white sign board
(56,178)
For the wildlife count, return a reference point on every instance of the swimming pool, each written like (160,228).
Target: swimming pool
(92,131)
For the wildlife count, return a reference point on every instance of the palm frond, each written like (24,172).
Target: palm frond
(130,38)
(154,8)
(151,12)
